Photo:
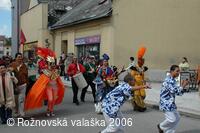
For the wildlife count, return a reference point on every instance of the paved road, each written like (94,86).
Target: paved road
(141,122)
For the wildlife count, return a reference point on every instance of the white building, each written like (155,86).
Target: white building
(2,42)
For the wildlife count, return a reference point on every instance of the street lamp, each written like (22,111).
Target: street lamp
(47,43)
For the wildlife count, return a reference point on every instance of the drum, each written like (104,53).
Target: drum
(80,80)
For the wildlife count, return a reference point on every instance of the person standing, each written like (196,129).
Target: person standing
(7,99)
(21,72)
(32,72)
(62,66)
(48,87)
(167,101)
(139,95)
(184,65)
(73,69)
(90,76)
(103,74)
(63,55)
(198,78)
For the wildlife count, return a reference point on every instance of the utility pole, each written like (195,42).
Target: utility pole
(15,26)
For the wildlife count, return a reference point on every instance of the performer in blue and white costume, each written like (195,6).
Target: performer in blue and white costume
(114,100)
(167,101)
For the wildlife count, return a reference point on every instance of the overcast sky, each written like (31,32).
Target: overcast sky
(5,18)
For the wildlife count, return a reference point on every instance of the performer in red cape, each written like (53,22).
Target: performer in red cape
(48,86)
(42,65)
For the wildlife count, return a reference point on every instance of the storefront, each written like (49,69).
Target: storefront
(88,46)
(29,50)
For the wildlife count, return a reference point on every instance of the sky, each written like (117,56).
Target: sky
(5,18)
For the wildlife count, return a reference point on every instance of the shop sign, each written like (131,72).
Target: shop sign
(88,40)
(28,47)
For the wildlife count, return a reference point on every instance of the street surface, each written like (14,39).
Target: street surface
(135,122)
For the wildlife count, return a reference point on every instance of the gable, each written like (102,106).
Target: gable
(33,3)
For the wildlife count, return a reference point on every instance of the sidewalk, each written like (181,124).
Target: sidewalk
(188,104)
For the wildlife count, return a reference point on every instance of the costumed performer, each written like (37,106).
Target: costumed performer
(48,86)
(138,74)
(104,72)
(113,101)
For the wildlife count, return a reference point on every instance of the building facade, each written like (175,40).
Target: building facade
(2,43)
(18,8)
(35,22)
(7,50)
(34,25)
(168,29)
(86,39)
(5,46)
(86,30)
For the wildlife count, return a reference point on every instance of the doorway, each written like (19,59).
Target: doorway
(64,47)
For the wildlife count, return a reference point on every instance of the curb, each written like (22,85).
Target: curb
(182,111)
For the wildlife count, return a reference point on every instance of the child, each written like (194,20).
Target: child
(167,101)
(114,100)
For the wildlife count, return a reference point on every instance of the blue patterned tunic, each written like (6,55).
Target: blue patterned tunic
(115,99)
(168,92)
(102,90)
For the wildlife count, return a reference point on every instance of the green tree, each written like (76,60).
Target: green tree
(8,41)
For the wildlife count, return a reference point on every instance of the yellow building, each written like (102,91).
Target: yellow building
(34,24)
(36,18)
(168,29)
(86,31)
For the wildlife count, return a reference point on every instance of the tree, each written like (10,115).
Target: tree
(8,41)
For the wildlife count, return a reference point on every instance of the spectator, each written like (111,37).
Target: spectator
(7,61)
(198,78)
(63,55)
(184,65)
(7,99)
(21,73)
(62,66)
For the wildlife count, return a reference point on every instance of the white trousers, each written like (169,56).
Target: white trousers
(112,125)
(21,99)
(171,121)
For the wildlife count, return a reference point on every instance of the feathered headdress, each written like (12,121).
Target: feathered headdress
(105,57)
(141,52)
(46,54)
